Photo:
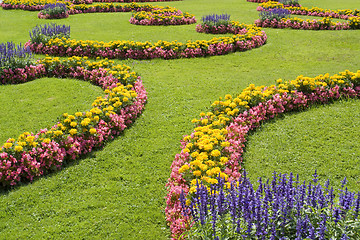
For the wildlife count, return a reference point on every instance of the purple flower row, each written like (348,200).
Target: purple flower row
(280,208)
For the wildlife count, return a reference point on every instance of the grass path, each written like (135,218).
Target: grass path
(118,192)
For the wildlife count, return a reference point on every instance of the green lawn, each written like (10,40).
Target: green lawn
(118,192)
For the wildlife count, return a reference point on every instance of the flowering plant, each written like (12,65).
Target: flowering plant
(280,208)
(33,155)
(274,13)
(14,56)
(58,10)
(247,38)
(44,33)
(216,146)
(216,20)
(162,16)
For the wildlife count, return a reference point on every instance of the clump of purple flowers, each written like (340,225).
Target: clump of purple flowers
(14,56)
(58,10)
(216,20)
(281,209)
(274,13)
(43,33)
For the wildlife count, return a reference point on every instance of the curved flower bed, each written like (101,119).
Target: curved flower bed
(37,5)
(33,155)
(289,2)
(165,16)
(298,23)
(314,11)
(215,147)
(250,37)
(271,19)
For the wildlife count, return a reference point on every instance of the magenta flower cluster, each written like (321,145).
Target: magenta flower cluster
(50,155)
(238,129)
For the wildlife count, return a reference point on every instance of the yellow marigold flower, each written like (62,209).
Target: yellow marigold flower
(192,189)
(8,145)
(30,139)
(46,140)
(202,114)
(11,140)
(92,130)
(203,167)
(18,148)
(194,154)
(73,131)
(186,150)
(188,202)
(212,181)
(71,117)
(225,144)
(22,143)
(197,173)
(189,145)
(204,121)
(224,160)
(215,153)
(125,99)
(208,147)
(96,118)
(58,133)
(65,114)
(73,124)
(184,168)
(78,114)
(85,122)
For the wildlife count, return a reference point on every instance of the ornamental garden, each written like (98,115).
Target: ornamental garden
(177,141)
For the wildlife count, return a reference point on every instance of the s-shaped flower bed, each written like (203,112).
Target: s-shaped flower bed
(35,154)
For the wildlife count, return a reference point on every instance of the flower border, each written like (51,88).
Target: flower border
(234,118)
(34,155)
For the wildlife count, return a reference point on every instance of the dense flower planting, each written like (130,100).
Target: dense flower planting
(250,37)
(215,147)
(281,208)
(51,11)
(36,5)
(14,56)
(34,154)
(276,15)
(163,16)
(285,2)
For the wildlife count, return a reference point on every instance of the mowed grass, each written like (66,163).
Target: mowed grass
(118,192)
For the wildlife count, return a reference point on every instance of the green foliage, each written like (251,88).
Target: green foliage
(117,193)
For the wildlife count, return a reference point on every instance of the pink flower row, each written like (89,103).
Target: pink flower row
(238,129)
(305,25)
(158,22)
(49,156)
